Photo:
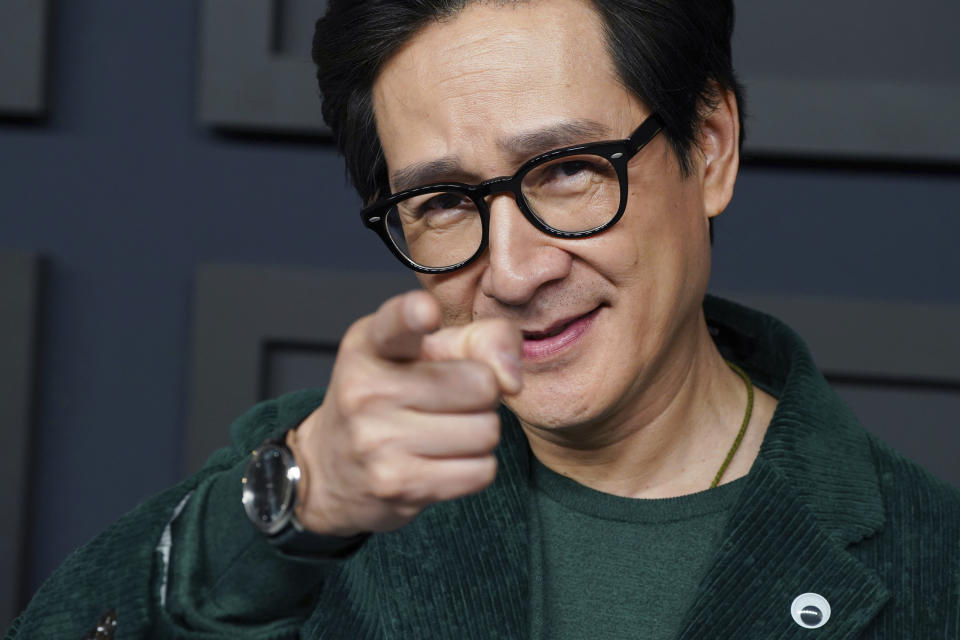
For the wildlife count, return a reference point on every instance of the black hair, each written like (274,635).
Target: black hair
(674,55)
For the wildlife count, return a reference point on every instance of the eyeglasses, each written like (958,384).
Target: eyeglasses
(573,192)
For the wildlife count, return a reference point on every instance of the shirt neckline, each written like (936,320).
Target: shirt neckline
(580,498)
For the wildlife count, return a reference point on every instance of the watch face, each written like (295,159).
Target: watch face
(269,486)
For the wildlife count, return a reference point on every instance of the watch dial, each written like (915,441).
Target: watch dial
(267,490)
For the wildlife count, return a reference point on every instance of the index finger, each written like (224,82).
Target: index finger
(397,328)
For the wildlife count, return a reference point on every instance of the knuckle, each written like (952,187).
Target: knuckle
(355,334)
(366,442)
(386,482)
(501,327)
(357,387)
(495,332)
(475,336)
(353,398)
(470,377)
(473,375)
(485,382)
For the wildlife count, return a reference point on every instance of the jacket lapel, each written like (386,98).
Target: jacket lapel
(812,492)
(775,550)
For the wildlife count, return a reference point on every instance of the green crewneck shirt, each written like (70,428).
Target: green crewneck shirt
(604,566)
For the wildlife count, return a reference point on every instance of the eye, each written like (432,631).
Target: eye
(568,176)
(439,211)
(810,610)
(433,205)
(443,201)
(571,168)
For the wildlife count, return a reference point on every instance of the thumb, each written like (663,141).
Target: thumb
(494,342)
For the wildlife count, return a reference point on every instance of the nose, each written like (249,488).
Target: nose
(521,259)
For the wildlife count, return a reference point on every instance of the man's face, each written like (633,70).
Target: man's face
(473,90)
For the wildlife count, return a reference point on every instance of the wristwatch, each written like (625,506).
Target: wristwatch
(270,488)
(270,500)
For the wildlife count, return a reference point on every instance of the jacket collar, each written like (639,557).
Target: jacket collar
(815,442)
(812,491)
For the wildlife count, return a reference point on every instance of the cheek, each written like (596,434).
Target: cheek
(455,293)
(660,265)
(672,225)
(681,255)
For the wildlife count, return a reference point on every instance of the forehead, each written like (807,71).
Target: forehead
(493,72)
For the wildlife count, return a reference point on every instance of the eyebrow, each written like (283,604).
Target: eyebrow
(561,134)
(421,173)
(521,146)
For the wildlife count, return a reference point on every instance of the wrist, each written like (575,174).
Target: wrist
(308,514)
(292,442)
(271,493)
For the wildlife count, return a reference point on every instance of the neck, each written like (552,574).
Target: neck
(670,437)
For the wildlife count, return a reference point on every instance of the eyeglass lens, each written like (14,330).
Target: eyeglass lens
(571,193)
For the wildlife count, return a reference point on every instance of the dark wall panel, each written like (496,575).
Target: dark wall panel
(20,282)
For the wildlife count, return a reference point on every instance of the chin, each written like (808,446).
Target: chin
(558,407)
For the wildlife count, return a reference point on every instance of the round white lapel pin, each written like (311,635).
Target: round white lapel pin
(810,610)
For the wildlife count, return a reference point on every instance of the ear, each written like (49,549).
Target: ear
(719,140)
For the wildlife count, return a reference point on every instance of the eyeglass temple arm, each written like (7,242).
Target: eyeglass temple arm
(645,133)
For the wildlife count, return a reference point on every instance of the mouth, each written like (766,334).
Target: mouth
(558,337)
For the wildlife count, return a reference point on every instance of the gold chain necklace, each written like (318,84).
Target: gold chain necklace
(743,427)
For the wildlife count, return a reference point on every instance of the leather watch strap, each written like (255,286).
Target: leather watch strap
(299,542)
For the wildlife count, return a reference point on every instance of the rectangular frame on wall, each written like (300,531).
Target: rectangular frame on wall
(245,82)
(20,282)
(830,80)
(871,339)
(811,118)
(23,57)
(894,363)
(243,314)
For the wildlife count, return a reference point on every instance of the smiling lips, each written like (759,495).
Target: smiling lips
(538,345)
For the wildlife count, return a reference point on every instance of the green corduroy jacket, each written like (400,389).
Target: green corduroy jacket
(826,508)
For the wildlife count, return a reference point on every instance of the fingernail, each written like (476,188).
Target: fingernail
(511,368)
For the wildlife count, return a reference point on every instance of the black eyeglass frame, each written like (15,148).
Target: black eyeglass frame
(617,152)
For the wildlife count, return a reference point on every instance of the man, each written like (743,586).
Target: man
(661,467)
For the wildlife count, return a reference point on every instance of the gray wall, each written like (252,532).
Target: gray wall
(125,194)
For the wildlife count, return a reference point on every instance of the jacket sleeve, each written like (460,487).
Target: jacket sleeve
(186,563)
